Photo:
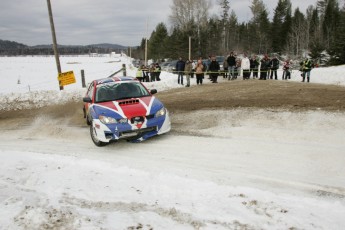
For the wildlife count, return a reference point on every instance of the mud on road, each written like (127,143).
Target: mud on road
(226,95)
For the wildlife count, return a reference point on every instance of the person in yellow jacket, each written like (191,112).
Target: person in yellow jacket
(158,70)
(139,74)
(306,67)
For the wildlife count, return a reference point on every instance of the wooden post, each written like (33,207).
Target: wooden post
(54,40)
(124,69)
(83,79)
(190,48)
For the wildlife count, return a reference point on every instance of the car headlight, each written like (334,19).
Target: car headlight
(107,120)
(160,112)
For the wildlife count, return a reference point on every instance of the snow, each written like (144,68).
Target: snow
(281,170)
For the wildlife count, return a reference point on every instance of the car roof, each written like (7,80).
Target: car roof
(115,79)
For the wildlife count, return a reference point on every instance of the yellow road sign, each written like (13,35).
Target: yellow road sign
(66,78)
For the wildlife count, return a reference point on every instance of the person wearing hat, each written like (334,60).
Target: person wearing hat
(180,64)
(274,65)
(264,67)
(214,69)
(188,71)
(231,65)
(306,67)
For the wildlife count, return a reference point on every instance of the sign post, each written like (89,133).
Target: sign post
(54,39)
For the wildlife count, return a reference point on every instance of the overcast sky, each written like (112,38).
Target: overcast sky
(84,22)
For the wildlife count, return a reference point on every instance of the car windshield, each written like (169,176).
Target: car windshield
(116,91)
(220,59)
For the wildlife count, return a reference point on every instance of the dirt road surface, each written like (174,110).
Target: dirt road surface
(252,94)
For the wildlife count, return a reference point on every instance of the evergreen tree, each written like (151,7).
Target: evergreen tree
(330,22)
(280,25)
(156,45)
(264,34)
(215,36)
(337,47)
(233,31)
(258,25)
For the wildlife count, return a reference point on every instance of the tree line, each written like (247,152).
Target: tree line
(317,32)
(11,48)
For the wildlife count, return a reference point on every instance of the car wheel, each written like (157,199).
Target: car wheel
(94,137)
(88,122)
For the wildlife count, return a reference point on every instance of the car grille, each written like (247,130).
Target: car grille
(137,132)
(129,102)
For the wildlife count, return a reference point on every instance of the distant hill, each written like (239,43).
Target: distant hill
(15,48)
(108,46)
(11,45)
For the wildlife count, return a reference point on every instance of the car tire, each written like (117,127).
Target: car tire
(88,122)
(94,138)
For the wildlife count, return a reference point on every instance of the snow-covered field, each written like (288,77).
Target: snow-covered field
(281,170)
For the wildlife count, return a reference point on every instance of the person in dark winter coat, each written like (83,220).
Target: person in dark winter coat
(274,65)
(180,65)
(231,65)
(213,69)
(254,64)
(264,67)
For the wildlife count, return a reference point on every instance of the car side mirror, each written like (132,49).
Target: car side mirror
(153,91)
(87,99)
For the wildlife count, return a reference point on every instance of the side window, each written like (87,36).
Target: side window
(90,90)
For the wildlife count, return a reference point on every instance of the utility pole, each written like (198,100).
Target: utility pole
(190,48)
(54,40)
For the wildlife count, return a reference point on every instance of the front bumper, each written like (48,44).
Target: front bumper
(151,127)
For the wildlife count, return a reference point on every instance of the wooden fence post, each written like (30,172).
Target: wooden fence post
(124,69)
(83,79)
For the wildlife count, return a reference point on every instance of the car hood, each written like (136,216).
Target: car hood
(128,108)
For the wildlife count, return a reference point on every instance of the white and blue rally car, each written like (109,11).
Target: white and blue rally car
(123,108)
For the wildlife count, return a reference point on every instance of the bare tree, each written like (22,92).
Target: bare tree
(260,24)
(298,35)
(225,5)
(185,11)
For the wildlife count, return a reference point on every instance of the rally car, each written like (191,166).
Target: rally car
(123,108)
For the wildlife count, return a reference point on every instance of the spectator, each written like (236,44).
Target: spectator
(213,69)
(180,65)
(264,67)
(188,71)
(286,70)
(158,70)
(254,64)
(231,65)
(274,66)
(199,72)
(245,65)
(306,67)
(139,74)
(146,76)
(193,69)
(152,73)
(237,68)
